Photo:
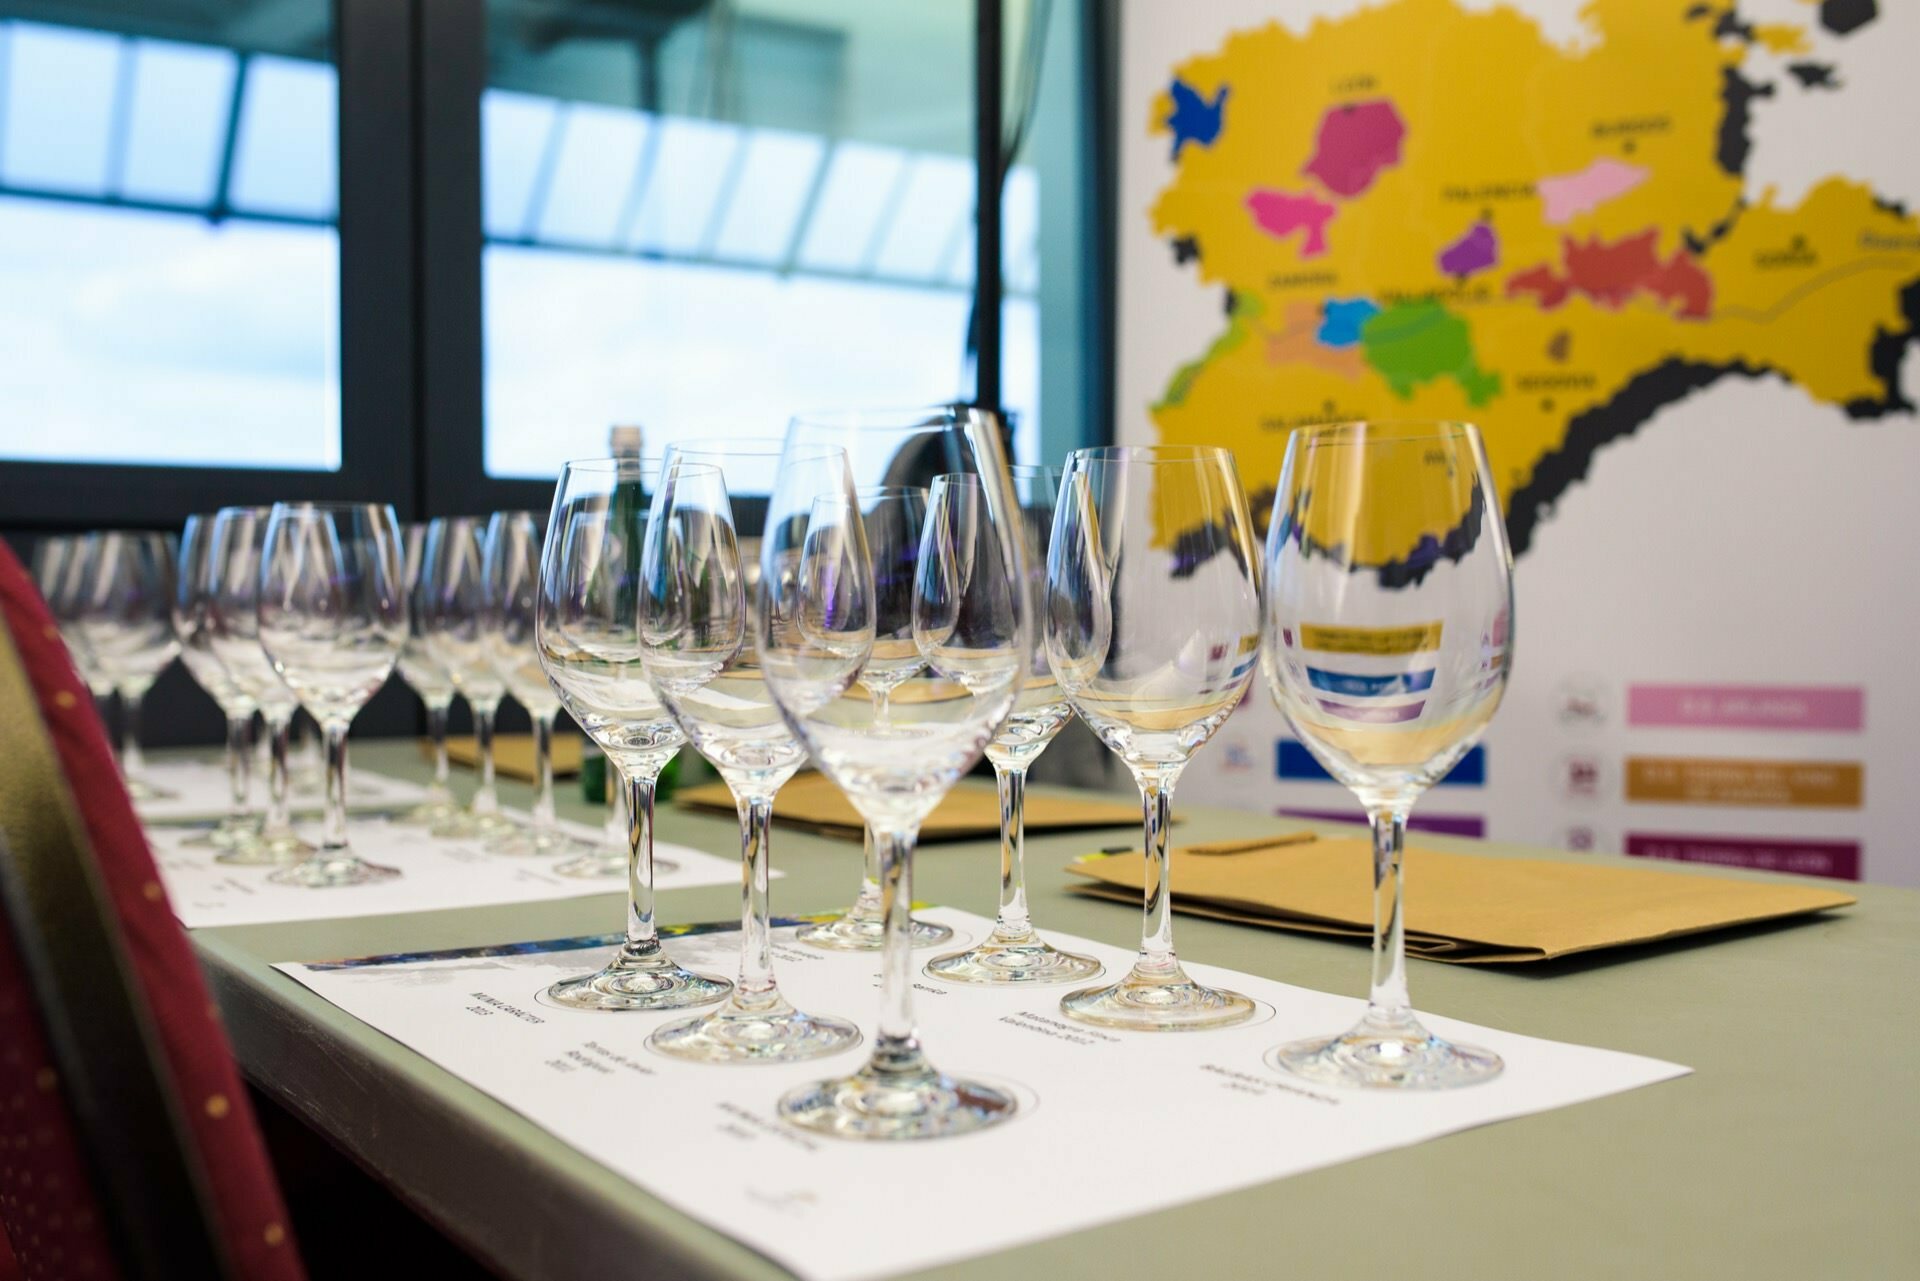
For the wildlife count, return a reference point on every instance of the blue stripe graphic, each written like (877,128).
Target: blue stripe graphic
(1294,762)
(1356,686)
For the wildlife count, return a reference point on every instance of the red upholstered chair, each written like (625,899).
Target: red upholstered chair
(127,1147)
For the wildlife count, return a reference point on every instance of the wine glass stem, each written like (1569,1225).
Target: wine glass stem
(543,769)
(756,985)
(1156,925)
(279,775)
(642,933)
(897,1043)
(335,837)
(239,763)
(133,761)
(869,874)
(1013,921)
(487,799)
(437,731)
(1387,1003)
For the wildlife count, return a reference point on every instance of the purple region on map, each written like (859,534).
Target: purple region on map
(1281,213)
(1356,142)
(1475,251)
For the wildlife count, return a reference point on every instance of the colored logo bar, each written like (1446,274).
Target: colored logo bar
(1439,824)
(1294,762)
(1373,713)
(1838,859)
(1682,780)
(1416,639)
(1783,707)
(1354,685)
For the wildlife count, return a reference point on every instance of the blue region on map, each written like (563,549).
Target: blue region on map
(1194,119)
(1355,685)
(1342,318)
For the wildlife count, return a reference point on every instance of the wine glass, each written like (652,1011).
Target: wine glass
(587,630)
(1014,952)
(511,574)
(1389,626)
(233,626)
(60,570)
(893,516)
(1153,629)
(333,616)
(816,635)
(696,635)
(194,583)
(452,600)
(125,617)
(427,677)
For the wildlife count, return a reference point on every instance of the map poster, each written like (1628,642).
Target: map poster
(1666,253)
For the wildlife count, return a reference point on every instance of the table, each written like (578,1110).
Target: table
(1789,1153)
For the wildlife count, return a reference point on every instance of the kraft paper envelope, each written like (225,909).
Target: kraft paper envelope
(1463,908)
(513,754)
(971,809)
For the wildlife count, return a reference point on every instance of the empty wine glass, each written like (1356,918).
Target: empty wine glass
(893,516)
(452,600)
(60,571)
(587,629)
(697,639)
(333,616)
(816,635)
(1014,952)
(511,573)
(1389,634)
(429,678)
(1153,629)
(194,584)
(125,617)
(233,625)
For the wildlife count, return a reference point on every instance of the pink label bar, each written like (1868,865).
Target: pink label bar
(1803,707)
(1838,859)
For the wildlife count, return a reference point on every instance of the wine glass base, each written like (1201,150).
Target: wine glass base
(594,865)
(534,843)
(1024,959)
(1158,1001)
(628,982)
(858,932)
(435,811)
(229,834)
(1403,1057)
(141,790)
(331,871)
(466,823)
(735,1034)
(873,1104)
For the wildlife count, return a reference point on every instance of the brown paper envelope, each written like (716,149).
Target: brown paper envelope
(513,754)
(1462,907)
(971,809)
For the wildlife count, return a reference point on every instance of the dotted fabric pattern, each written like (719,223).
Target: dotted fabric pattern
(199,1062)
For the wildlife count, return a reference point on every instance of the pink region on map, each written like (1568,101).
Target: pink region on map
(1357,140)
(1281,213)
(1573,194)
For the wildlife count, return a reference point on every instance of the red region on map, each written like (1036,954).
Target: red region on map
(1612,274)
(1357,140)
(1281,213)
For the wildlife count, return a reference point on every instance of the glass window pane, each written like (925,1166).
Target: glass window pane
(169,308)
(861,185)
(774,183)
(587,191)
(518,128)
(690,165)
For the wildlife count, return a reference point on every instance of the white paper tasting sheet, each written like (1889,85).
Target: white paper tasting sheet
(706,1137)
(434,873)
(197,790)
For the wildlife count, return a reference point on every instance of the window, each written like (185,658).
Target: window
(704,221)
(169,257)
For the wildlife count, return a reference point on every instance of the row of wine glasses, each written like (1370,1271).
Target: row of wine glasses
(1389,585)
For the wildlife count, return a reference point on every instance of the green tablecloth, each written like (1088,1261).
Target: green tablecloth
(1790,1153)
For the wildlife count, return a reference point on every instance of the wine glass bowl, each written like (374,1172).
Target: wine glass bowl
(1389,634)
(123,613)
(1153,630)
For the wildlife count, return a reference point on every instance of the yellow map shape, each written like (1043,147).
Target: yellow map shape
(1491,107)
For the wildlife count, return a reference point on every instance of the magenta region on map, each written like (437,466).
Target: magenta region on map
(1357,140)
(1281,213)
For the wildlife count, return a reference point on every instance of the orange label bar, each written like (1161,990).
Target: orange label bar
(1689,780)
(1415,639)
